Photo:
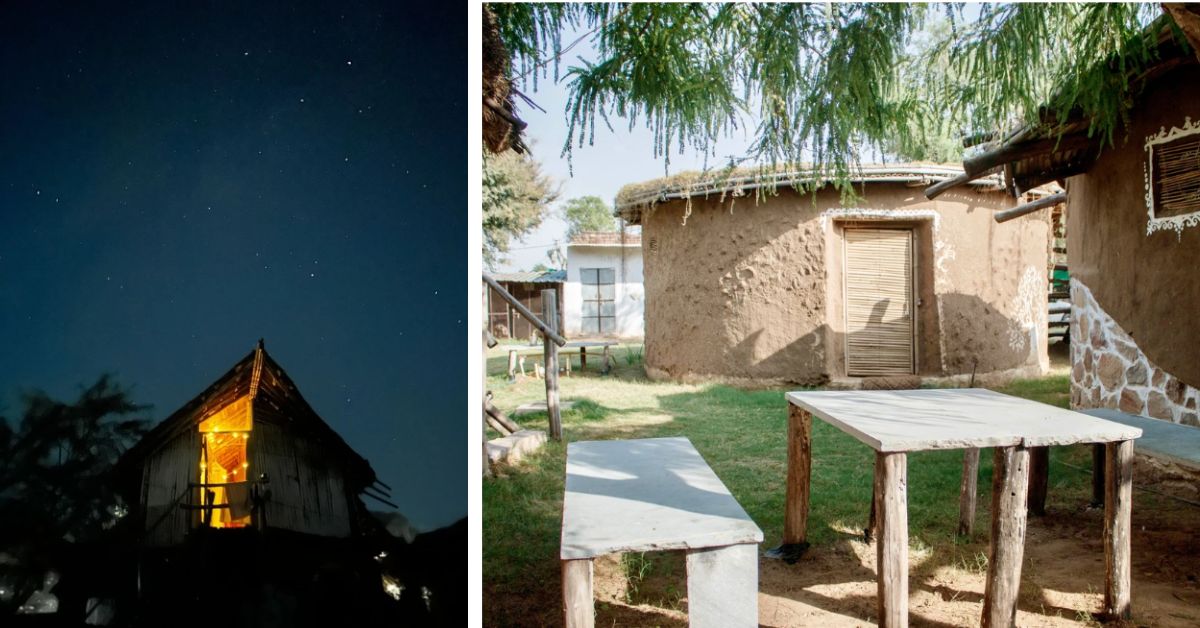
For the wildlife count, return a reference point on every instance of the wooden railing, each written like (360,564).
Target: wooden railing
(548,325)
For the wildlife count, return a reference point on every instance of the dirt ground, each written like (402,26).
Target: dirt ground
(1062,577)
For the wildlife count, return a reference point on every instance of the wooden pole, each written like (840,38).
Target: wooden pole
(1117,506)
(524,311)
(496,425)
(968,490)
(1010,485)
(512,364)
(497,415)
(891,549)
(795,523)
(549,311)
(1029,208)
(1017,151)
(1039,479)
(487,467)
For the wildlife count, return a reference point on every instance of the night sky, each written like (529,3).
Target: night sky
(178,180)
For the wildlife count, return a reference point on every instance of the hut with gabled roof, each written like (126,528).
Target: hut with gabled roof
(248,452)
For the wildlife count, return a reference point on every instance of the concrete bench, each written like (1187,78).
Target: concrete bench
(516,355)
(651,495)
(1163,440)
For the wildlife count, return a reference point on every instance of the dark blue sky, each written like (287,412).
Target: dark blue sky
(180,179)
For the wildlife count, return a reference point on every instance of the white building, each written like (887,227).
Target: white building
(603,295)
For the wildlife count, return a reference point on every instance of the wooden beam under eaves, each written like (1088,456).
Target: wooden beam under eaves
(938,188)
(1029,208)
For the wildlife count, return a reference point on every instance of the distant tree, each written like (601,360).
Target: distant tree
(515,197)
(588,213)
(540,268)
(56,478)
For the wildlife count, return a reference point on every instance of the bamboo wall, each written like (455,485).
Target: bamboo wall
(307,491)
(167,474)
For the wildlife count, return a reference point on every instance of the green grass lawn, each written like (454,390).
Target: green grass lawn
(741,434)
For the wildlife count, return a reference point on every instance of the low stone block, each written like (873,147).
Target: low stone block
(1189,418)
(540,406)
(514,447)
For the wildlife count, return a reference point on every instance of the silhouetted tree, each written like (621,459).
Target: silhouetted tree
(56,484)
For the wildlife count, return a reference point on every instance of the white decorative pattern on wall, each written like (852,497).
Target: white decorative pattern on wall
(1110,371)
(1173,223)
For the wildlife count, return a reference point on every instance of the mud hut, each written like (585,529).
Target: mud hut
(1133,237)
(799,286)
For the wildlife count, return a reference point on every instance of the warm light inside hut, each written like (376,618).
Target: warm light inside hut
(225,467)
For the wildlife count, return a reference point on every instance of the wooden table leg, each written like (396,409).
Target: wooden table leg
(607,365)
(1010,487)
(1039,479)
(967,491)
(578,605)
(583,358)
(1098,475)
(1118,473)
(512,364)
(795,518)
(722,586)
(891,549)
(795,525)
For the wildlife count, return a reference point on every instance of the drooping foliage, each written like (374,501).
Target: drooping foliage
(588,213)
(515,196)
(832,84)
(56,477)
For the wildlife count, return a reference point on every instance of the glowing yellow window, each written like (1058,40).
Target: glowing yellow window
(224,466)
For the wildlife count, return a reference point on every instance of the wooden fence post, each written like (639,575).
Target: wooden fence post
(550,351)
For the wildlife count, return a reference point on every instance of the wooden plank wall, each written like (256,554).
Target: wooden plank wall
(167,474)
(307,491)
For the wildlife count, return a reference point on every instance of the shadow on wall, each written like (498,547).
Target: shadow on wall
(973,334)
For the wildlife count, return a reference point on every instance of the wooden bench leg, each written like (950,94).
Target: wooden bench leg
(968,489)
(512,365)
(1039,479)
(722,586)
(578,605)
(583,358)
(607,361)
(891,549)
(1010,487)
(1117,504)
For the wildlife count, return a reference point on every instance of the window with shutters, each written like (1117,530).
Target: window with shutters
(599,312)
(1175,184)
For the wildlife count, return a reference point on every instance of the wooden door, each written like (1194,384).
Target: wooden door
(879,301)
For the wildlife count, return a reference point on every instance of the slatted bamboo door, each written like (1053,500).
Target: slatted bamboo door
(879,301)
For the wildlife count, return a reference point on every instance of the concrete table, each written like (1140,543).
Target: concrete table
(896,422)
(650,495)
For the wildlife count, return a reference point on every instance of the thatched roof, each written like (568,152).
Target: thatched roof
(635,198)
(1052,150)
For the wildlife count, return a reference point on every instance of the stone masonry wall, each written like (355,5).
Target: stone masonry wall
(1110,371)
